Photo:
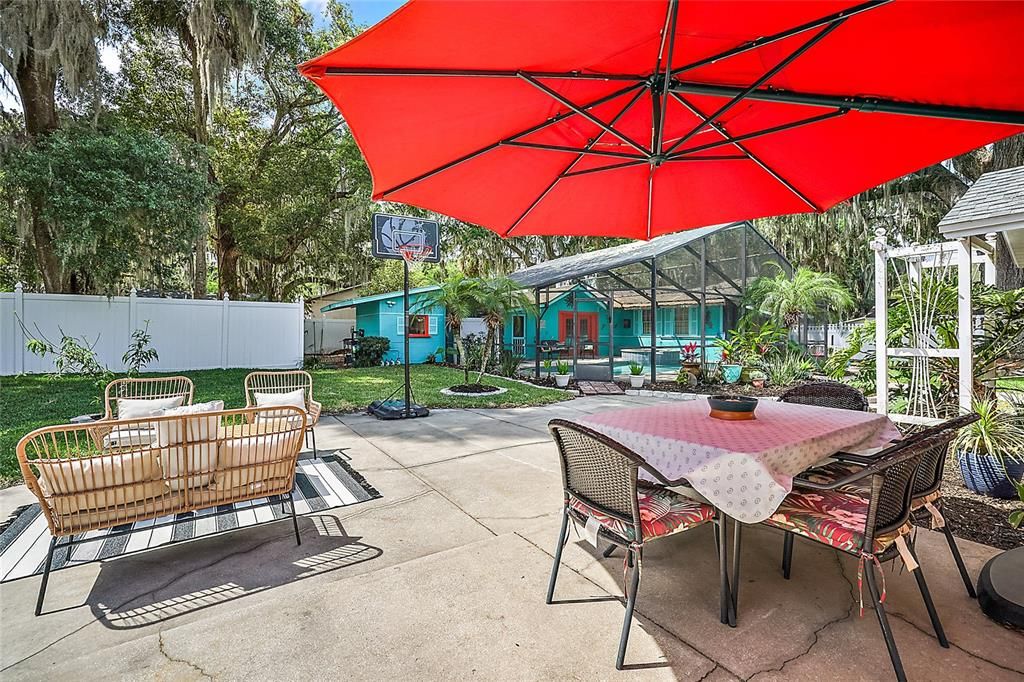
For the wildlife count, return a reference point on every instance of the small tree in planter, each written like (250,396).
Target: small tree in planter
(562,374)
(757,378)
(636,375)
(991,450)
(690,363)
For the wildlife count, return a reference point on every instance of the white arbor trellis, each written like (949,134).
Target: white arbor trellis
(918,271)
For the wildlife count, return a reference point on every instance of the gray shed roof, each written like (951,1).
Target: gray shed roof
(583,264)
(995,198)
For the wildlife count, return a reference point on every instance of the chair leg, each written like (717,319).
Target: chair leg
(787,555)
(955,551)
(558,555)
(46,575)
(608,551)
(630,605)
(737,529)
(883,622)
(312,433)
(726,615)
(933,615)
(295,519)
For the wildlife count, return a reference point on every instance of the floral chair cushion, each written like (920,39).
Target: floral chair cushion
(830,517)
(662,512)
(833,471)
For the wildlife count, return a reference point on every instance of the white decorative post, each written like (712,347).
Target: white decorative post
(990,259)
(881,323)
(18,329)
(965,341)
(301,305)
(225,326)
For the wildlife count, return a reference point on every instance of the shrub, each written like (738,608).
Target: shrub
(788,368)
(510,363)
(370,350)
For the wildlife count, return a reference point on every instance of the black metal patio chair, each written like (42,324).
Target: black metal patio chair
(599,482)
(875,528)
(926,496)
(826,394)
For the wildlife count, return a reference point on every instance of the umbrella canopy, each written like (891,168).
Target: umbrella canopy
(633,119)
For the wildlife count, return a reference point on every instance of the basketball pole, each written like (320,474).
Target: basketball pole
(405,339)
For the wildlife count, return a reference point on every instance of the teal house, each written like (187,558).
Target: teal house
(382,315)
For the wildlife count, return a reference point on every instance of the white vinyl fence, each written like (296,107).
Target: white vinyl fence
(324,335)
(187,334)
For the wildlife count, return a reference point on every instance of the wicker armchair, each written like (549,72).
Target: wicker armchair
(926,496)
(156,388)
(826,394)
(146,389)
(599,482)
(286,382)
(824,513)
(199,460)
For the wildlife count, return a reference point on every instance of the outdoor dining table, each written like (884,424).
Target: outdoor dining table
(743,468)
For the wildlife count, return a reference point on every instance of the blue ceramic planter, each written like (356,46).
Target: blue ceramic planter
(732,373)
(985,476)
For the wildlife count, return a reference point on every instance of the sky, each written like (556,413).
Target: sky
(365,12)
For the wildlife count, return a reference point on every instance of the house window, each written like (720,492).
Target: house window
(682,325)
(419,325)
(645,321)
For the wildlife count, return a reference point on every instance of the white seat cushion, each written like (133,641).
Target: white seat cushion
(170,432)
(125,436)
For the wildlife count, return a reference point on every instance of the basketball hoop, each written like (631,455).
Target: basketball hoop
(414,253)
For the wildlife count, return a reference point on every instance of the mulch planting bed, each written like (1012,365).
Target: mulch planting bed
(473,389)
(977,517)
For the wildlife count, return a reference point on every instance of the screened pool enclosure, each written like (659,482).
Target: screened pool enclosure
(653,303)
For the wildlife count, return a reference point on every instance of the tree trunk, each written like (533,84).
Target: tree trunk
(37,88)
(202,136)
(488,342)
(228,255)
(457,334)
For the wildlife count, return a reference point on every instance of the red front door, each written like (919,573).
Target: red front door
(587,322)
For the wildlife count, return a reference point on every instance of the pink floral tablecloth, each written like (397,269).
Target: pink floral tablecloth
(745,468)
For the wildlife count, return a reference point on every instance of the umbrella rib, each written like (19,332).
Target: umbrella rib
(494,145)
(578,150)
(756,133)
(584,113)
(662,97)
(750,155)
(789,59)
(864,104)
(782,35)
(572,164)
(477,73)
(614,166)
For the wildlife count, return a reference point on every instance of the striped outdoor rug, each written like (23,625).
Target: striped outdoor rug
(324,483)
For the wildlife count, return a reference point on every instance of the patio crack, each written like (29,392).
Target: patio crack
(163,652)
(639,612)
(952,645)
(815,636)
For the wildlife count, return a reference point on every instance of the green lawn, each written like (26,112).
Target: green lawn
(30,401)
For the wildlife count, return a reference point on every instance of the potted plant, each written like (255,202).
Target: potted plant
(730,366)
(547,367)
(689,359)
(636,375)
(757,378)
(562,374)
(991,450)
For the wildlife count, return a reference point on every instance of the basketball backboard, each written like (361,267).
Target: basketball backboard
(394,233)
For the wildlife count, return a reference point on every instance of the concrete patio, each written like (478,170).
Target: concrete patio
(444,578)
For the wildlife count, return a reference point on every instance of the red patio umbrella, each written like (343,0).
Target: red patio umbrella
(638,118)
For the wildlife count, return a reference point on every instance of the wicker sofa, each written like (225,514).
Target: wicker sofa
(194,458)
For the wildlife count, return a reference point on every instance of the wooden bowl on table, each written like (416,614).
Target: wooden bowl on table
(732,407)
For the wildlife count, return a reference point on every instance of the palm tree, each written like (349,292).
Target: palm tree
(459,296)
(496,299)
(788,299)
